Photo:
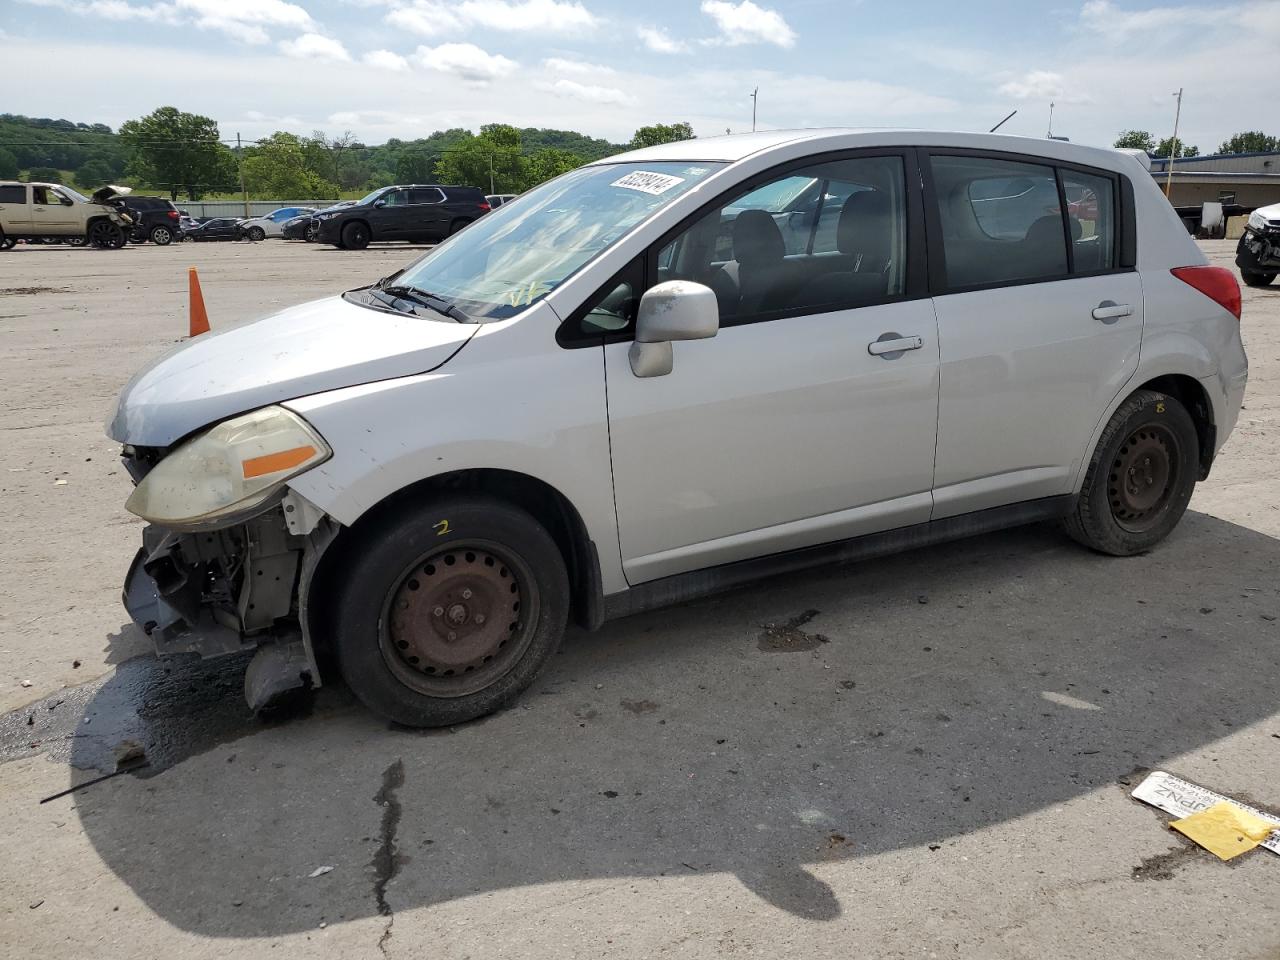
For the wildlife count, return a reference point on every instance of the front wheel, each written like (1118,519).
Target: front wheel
(106,235)
(256,234)
(1140,478)
(1252,279)
(355,236)
(448,611)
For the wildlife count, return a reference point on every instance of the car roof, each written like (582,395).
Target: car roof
(739,146)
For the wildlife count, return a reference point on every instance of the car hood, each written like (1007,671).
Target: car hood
(103,194)
(1270,212)
(318,346)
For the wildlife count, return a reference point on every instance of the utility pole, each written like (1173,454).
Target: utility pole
(1050,133)
(244,194)
(1173,147)
(491,189)
(755,98)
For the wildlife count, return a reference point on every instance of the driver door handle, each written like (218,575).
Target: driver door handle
(893,343)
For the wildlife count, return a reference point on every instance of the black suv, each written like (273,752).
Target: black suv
(419,212)
(154,218)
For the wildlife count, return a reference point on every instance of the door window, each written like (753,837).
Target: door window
(429,195)
(396,198)
(1091,211)
(1001,221)
(826,237)
(45,196)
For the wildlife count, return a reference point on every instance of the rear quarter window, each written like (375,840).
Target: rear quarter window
(13,194)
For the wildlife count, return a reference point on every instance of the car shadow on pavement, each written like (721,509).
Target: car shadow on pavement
(822,716)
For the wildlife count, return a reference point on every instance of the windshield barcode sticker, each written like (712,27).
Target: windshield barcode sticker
(651,183)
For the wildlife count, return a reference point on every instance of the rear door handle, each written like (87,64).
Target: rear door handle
(890,346)
(1109,310)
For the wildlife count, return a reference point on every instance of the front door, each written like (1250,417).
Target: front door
(390,221)
(54,214)
(1040,322)
(811,416)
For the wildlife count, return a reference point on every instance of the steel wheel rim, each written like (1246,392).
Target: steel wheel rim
(1143,477)
(458,619)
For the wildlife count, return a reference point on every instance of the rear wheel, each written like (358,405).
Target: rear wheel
(1140,478)
(106,235)
(1252,279)
(456,226)
(256,234)
(449,611)
(161,236)
(355,236)
(7,243)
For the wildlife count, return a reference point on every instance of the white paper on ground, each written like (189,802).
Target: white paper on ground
(1182,799)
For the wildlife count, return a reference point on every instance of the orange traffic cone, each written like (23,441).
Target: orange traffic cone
(199,318)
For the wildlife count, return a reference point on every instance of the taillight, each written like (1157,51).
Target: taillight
(485,206)
(1216,283)
(173,214)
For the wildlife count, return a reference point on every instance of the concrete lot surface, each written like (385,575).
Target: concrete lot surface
(924,756)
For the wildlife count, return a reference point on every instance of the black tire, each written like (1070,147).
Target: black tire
(106,235)
(1140,477)
(456,225)
(418,561)
(1252,279)
(312,232)
(161,235)
(7,243)
(355,235)
(78,241)
(256,234)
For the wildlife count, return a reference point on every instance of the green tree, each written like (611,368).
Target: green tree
(44,174)
(94,174)
(1164,147)
(491,161)
(1135,140)
(276,167)
(176,150)
(547,163)
(661,133)
(1252,141)
(8,165)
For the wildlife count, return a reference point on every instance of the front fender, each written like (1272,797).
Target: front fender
(514,401)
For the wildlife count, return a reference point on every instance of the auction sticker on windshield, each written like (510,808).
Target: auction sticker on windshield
(646,182)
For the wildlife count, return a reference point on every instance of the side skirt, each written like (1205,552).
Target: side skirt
(700,583)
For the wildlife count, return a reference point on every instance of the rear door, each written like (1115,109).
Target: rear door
(429,215)
(15,208)
(1039,321)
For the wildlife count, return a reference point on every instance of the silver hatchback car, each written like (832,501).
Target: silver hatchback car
(668,373)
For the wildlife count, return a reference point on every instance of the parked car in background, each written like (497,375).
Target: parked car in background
(496,200)
(260,228)
(187,223)
(416,212)
(628,400)
(304,227)
(155,219)
(217,228)
(1258,252)
(32,211)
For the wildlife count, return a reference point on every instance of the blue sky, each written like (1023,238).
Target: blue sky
(383,68)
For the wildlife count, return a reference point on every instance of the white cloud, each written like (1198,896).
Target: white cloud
(465,60)
(245,19)
(1041,85)
(657,40)
(1104,17)
(312,46)
(559,65)
(588,92)
(431,18)
(385,60)
(114,9)
(745,22)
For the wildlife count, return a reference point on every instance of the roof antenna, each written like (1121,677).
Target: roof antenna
(1050,133)
(1001,123)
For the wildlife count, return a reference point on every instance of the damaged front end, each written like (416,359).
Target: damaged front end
(1259,247)
(222,591)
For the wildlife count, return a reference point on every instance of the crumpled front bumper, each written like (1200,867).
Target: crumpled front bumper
(220,592)
(1259,252)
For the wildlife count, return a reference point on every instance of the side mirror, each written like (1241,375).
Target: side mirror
(675,310)
(66,201)
(379,203)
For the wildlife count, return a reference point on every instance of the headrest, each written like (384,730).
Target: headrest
(756,238)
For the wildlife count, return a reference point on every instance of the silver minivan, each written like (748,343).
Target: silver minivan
(669,373)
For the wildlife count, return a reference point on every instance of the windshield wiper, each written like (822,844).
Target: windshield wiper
(436,303)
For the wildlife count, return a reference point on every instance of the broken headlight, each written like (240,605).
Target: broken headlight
(227,472)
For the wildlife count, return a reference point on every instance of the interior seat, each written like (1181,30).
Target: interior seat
(759,272)
(864,238)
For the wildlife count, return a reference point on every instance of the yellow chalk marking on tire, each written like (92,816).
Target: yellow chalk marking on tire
(441,528)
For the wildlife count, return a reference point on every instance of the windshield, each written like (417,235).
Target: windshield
(72,194)
(514,256)
(369,199)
